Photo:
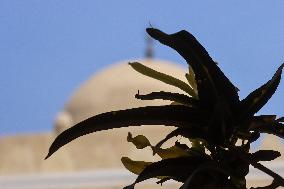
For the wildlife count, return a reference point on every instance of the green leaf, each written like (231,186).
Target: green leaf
(197,145)
(188,132)
(176,168)
(212,84)
(176,97)
(172,152)
(258,98)
(135,167)
(179,116)
(140,141)
(163,77)
(265,155)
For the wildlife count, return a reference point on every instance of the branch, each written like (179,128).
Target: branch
(278,180)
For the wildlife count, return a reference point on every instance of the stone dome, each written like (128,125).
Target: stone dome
(113,88)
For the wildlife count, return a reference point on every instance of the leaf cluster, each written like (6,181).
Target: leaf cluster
(219,126)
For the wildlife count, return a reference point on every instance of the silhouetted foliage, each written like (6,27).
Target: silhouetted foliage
(211,116)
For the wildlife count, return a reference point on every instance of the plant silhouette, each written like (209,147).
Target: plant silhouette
(219,125)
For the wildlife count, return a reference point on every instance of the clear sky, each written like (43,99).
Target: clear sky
(47,48)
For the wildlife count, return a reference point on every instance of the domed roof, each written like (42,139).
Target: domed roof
(113,88)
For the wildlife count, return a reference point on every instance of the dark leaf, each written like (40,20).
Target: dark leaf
(182,146)
(179,116)
(260,121)
(189,132)
(221,123)
(176,168)
(190,76)
(197,145)
(212,84)
(275,129)
(258,98)
(176,97)
(265,155)
(253,137)
(281,119)
(208,167)
(163,180)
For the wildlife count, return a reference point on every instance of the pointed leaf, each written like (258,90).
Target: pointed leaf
(172,152)
(179,98)
(260,121)
(176,168)
(163,77)
(135,167)
(189,132)
(211,81)
(140,141)
(258,98)
(275,129)
(265,155)
(179,116)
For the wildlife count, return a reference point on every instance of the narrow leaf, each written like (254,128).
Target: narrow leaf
(265,155)
(163,77)
(190,76)
(275,129)
(260,121)
(258,98)
(176,97)
(176,168)
(188,132)
(179,116)
(211,81)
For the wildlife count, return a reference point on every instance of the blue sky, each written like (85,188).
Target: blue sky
(47,48)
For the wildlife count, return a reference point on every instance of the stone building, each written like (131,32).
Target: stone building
(94,160)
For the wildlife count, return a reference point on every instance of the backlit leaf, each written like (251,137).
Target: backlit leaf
(171,152)
(163,77)
(140,141)
(135,167)
(188,132)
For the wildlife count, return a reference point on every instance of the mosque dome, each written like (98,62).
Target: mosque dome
(113,88)
(110,89)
